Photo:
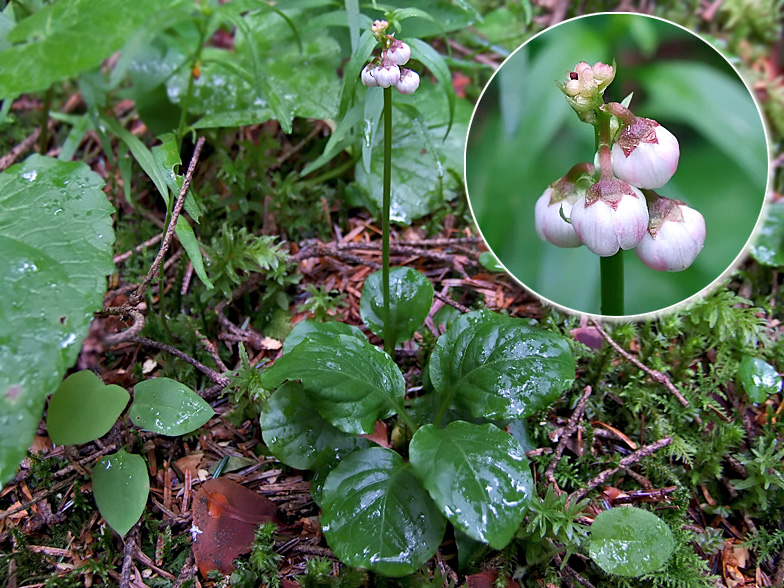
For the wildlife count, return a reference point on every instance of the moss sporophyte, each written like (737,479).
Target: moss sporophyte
(612,207)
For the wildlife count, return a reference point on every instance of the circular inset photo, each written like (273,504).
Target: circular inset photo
(617,165)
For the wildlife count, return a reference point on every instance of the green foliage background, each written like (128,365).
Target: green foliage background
(524,136)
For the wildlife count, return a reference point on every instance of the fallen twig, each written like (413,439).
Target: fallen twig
(569,430)
(209,372)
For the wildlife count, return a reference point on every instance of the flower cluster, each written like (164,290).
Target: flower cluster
(386,70)
(613,206)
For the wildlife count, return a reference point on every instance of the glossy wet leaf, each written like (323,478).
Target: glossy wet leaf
(410,299)
(84,409)
(630,542)
(349,381)
(377,515)
(304,329)
(168,407)
(478,475)
(55,253)
(293,429)
(768,247)
(225,517)
(50,45)
(490,262)
(500,367)
(759,379)
(120,488)
(329,458)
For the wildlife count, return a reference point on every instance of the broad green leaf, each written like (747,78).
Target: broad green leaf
(478,476)
(377,515)
(410,299)
(490,262)
(84,409)
(759,378)
(51,44)
(304,329)
(499,367)
(55,253)
(768,248)
(120,489)
(630,542)
(350,382)
(329,458)
(426,169)
(293,430)
(167,407)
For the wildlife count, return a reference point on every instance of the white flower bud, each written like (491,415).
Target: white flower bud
(549,224)
(398,53)
(674,238)
(612,215)
(603,74)
(646,154)
(387,74)
(368,75)
(408,82)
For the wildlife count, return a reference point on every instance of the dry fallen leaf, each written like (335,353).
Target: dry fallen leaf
(225,517)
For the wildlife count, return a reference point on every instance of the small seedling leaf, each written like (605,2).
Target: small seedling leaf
(759,379)
(410,299)
(478,476)
(165,406)
(630,542)
(84,409)
(120,488)
(377,515)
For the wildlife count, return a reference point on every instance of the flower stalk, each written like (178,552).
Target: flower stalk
(389,343)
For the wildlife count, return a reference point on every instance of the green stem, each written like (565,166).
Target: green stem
(44,137)
(389,343)
(612,284)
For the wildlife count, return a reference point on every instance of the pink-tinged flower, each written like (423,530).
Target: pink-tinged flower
(675,236)
(646,154)
(408,82)
(612,215)
(398,53)
(549,224)
(387,74)
(368,75)
(603,74)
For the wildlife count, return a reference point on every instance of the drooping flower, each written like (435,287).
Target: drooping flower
(387,74)
(368,75)
(555,205)
(408,82)
(675,236)
(646,154)
(398,52)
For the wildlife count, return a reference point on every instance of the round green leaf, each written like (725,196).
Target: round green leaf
(478,476)
(55,251)
(410,299)
(500,367)
(84,409)
(759,379)
(303,329)
(490,262)
(165,406)
(769,246)
(329,458)
(349,381)
(376,515)
(294,430)
(630,542)
(120,488)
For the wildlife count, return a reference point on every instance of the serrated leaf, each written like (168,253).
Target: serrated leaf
(55,251)
(350,382)
(377,515)
(51,43)
(410,299)
(84,409)
(304,329)
(120,489)
(630,542)
(167,407)
(759,378)
(768,248)
(294,430)
(478,475)
(499,367)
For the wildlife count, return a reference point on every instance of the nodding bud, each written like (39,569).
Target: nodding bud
(675,236)
(368,75)
(646,154)
(398,52)
(612,215)
(603,74)
(550,226)
(379,27)
(408,82)
(387,74)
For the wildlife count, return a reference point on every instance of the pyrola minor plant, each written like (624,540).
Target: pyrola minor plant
(612,206)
